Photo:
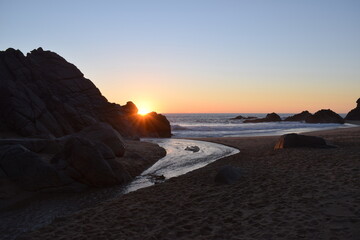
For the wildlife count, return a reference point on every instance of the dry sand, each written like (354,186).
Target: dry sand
(285,194)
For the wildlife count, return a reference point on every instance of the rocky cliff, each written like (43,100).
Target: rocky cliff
(58,133)
(43,95)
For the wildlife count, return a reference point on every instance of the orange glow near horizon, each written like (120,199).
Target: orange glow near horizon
(143,111)
(243,105)
(177,97)
(144,108)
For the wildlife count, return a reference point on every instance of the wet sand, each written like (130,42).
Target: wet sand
(22,211)
(283,194)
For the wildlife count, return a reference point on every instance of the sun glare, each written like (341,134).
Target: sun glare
(143,111)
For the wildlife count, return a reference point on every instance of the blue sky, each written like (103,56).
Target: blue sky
(201,56)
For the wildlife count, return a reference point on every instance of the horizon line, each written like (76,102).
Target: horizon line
(230,113)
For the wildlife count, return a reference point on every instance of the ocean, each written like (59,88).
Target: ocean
(222,125)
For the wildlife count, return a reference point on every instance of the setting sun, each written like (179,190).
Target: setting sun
(143,111)
(144,108)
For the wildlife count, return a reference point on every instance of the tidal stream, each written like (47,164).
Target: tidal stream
(177,161)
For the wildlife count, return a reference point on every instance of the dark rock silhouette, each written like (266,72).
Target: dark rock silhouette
(43,95)
(35,144)
(228,175)
(152,125)
(299,117)
(325,116)
(87,163)
(354,114)
(88,157)
(48,107)
(296,141)
(105,134)
(238,117)
(271,117)
(242,117)
(130,108)
(27,170)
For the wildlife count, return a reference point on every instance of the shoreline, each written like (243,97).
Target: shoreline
(25,211)
(284,194)
(320,133)
(179,160)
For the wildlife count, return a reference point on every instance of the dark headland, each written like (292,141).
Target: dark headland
(58,133)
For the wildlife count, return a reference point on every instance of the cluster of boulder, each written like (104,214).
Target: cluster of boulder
(43,95)
(89,158)
(57,131)
(322,116)
(231,174)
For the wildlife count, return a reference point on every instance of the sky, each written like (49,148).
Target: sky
(224,56)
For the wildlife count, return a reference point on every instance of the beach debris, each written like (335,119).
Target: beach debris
(156,178)
(294,140)
(228,175)
(192,148)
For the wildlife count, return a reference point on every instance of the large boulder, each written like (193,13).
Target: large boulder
(88,163)
(300,117)
(325,116)
(152,125)
(36,145)
(27,170)
(271,117)
(294,140)
(354,115)
(43,95)
(228,175)
(104,133)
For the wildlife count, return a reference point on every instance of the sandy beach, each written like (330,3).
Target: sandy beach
(283,194)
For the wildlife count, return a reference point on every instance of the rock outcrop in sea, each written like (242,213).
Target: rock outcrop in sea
(325,116)
(240,117)
(271,117)
(59,133)
(354,115)
(299,117)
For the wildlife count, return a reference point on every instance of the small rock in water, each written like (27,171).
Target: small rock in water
(156,178)
(192,148)
(228,175)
